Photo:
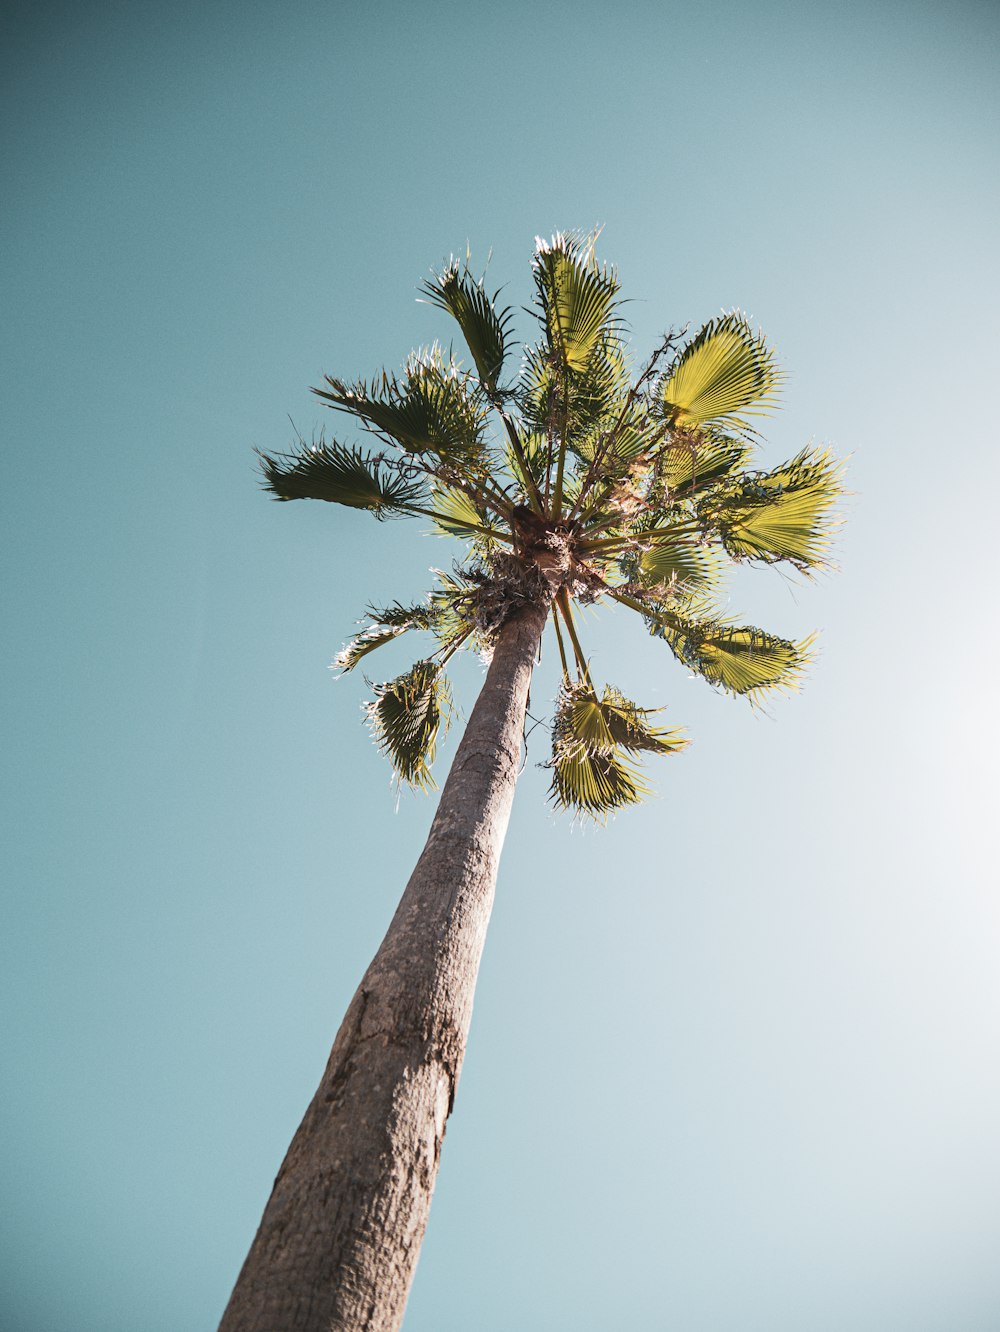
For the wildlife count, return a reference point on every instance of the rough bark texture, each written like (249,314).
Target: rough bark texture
(338,1243)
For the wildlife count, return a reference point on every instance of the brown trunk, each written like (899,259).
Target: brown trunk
(338,1243)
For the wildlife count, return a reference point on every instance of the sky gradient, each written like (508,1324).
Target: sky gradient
(733,1062)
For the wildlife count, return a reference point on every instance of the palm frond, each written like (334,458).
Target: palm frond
(486,330)
(680,562)
(405,718)
(534,447)
(726,373)
(433,409)
(454,604)
(692,460)
(591,737)
(740,659)
(385,625)
(785,514)
(576,298)
(577,404)
(340,475)
(593,782)
(627,440)
(459,515)
(627,727)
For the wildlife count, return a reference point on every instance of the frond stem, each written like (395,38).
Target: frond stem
(633,394)
(563,602)
(560,644)
(445,521)
(449,651)
(637,538)
(530,484)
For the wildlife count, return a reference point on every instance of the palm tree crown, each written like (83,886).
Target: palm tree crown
(573,481)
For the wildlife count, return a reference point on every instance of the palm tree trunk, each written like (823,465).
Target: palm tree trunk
(338,1243)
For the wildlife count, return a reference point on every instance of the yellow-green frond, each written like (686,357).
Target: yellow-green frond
(785,514)
(726,373)
(405,718)
(691,460)
(594,783)
(576,298)
(577,404)
(457,514)
(741,659)
(683,563)
(627,725)
(591,741)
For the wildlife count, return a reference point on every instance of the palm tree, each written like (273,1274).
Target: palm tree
(573,483)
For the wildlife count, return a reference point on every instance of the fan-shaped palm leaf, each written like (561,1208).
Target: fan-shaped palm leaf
(622,443)
(690,461)
(340,475)
(726,373)
(593,783)
(573,406)
(431,411)
(576,298)
(535,448)
(681,562)
(741,659)
(784,514)
(627,727)
(457,514)
(385,625)
(590,737)
(405,718)
(485,329)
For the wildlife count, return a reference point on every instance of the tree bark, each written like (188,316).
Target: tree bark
(339,1239)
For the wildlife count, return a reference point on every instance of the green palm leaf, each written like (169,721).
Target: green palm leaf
(690,461)
(574,405)
(682,563)
(621,443)
(740,659)
(340,475)
(784,514)
(628,729)
(385,625)
(535,449)
(590,738)
(457,514)
(593,783)
(405,718)
(433,410)
(576,298)
(726,373)
(485,329)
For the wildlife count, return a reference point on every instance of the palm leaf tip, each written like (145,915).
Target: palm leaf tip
(786,514)
(576,298)
(385,626)
(405,717)
(339,475)
(629,729)
(739,659)
(485,329)
(592,743)
(726,373)
(432,409)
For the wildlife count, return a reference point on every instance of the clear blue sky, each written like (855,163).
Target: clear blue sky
(733,1066)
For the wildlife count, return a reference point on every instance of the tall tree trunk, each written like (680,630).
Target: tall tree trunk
(339,1239)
